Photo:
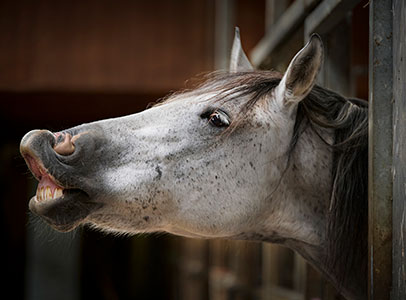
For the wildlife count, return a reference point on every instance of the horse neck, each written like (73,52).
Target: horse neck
(307,187)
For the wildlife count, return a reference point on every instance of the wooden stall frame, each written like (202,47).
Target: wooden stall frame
(399,151)
(380,150)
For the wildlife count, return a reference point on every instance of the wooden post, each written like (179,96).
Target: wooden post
(224,33)
(380,149)
(193,269)
(399,151)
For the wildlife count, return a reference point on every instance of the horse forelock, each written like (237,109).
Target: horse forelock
(221,85)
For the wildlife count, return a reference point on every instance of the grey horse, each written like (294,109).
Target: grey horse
(247,154)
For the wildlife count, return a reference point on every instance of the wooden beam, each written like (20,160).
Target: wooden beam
(275,35)
(327,15)
(380,149)
(399,151)
(224,33)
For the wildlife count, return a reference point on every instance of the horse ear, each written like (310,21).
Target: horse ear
(239,61)
(301,74)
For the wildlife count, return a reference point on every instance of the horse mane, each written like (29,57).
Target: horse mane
(347,226)
(347,229)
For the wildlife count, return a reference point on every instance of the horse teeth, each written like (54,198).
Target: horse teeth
(38,195)
(48,193)
(57,193)
(45,193)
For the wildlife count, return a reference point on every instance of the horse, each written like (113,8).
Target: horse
(246,154)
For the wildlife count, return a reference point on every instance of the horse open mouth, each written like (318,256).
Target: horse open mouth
(61,205)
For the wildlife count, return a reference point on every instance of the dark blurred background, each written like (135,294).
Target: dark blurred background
(63,63)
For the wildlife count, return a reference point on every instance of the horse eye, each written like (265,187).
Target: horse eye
(219,119)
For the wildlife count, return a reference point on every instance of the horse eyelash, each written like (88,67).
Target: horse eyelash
(206,114)
(209,111)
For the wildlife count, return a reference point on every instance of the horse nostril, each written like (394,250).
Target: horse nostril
(66,147)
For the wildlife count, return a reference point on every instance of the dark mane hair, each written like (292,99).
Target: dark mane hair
(348,213)
(321,109)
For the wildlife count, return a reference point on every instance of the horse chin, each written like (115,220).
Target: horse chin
(66,212)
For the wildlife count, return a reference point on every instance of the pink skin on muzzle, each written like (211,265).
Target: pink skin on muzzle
(67,146)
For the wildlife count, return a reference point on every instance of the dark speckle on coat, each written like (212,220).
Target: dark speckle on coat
(252,165)
(159,171)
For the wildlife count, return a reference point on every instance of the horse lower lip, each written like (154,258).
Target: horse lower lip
(66,212)
(69,195)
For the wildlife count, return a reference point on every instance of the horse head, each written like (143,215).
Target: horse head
(240,156)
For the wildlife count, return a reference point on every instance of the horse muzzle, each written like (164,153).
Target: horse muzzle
(62,198)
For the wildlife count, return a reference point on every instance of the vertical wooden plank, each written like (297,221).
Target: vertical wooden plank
(245,263)
(193,269)
(336,69)
(220,277)
(270,267)
(314,284)
(380,150)
(235,270)
(223,30)
(299,273)
(399,150)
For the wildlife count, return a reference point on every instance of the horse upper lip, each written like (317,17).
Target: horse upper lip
(39,171)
